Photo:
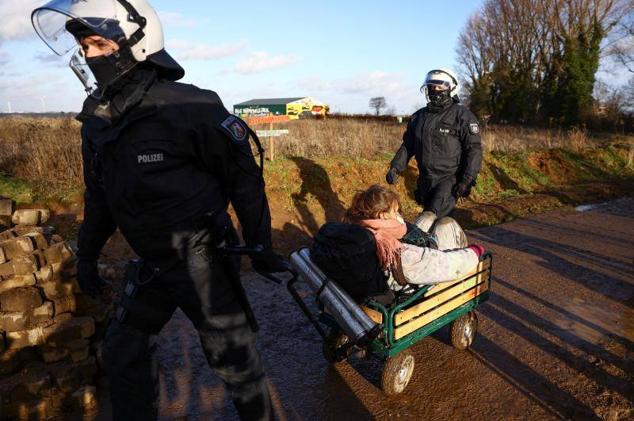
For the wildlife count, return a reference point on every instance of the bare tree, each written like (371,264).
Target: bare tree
(621,43)
(378,103)
(513,54)
(628,96)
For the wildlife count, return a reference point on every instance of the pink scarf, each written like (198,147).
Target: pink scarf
(387,233)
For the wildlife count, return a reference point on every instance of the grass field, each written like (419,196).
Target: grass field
(48,150)
(321,164)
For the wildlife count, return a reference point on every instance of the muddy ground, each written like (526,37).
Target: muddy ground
(555,341)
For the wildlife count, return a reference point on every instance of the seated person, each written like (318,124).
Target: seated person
(405,249)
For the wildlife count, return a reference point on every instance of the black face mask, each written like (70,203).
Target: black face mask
(108,69)
(103,69)
(439,99)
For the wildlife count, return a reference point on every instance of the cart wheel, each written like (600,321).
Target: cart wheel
(463,330)
(397,372)
(335,340)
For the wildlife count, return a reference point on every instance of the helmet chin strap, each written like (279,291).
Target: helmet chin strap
(133,16)
(108,70)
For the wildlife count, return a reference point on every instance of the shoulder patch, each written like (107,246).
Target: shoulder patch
(236,128)
(474,128)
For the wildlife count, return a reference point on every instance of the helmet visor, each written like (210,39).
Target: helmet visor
(441,85)
(83,72)
(51,21)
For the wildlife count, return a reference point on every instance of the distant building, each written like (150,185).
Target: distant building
(293,107)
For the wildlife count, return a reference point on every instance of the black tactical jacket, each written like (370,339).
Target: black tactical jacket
(168,154)
(445,143)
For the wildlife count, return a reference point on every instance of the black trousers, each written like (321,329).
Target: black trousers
(201,287)
(435,195)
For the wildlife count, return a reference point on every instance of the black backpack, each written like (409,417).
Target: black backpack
(346,253)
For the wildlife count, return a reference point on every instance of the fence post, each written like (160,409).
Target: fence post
(271,144)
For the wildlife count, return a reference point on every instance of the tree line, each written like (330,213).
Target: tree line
(535,61)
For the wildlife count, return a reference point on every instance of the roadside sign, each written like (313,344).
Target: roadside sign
(271,133)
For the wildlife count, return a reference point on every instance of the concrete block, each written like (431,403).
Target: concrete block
(17,282)
(56,288)
(17,321)
(13,321)
(39,240)
(62,329)
(3,257)
(47,309)
(8,234)
(52,354)
(22,265)
(58,253)
(7,206)
(77,355)
(24,338)
(18,246)
(30,229)
(65,304)
(33,409)
(86,398)
(69,376)
(30,216)
(69,330)
(39,257)
(25,385)
(20,299)
(45,274)
(13,360)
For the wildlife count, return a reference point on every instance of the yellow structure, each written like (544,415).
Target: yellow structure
(294,108)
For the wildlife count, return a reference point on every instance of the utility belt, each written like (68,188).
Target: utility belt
(150,315)
(147,315)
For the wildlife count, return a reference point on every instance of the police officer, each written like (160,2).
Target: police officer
(444,137)
(162,161)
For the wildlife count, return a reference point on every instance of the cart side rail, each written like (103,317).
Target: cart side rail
(441,301)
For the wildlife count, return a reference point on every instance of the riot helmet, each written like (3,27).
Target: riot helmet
(440,87)
(132,24)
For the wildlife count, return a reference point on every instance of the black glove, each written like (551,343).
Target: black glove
(269,262)
(391,176)
(219,224)
(463,188)
(88,277)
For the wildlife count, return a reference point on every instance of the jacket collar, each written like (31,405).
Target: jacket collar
(104,119)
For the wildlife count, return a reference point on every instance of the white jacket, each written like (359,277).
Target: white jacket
(422,265)
(425,266)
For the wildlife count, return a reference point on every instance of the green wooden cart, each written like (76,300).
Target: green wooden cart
(412,316)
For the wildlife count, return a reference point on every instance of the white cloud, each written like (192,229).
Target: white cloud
(177,20)
(185,50)
(27,92)
(351,93)
(260,61)
(4,57)
(50,59)
(375,82)
(16,19)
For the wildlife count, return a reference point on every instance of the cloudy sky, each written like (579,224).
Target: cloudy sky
(340,52)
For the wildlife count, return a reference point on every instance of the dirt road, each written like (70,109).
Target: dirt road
(556,339)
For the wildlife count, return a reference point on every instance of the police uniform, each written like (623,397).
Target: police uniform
(446,144)
(159,158)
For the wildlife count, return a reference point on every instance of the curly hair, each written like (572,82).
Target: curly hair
(371,203)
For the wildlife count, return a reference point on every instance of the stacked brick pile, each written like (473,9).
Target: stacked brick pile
(48,346)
